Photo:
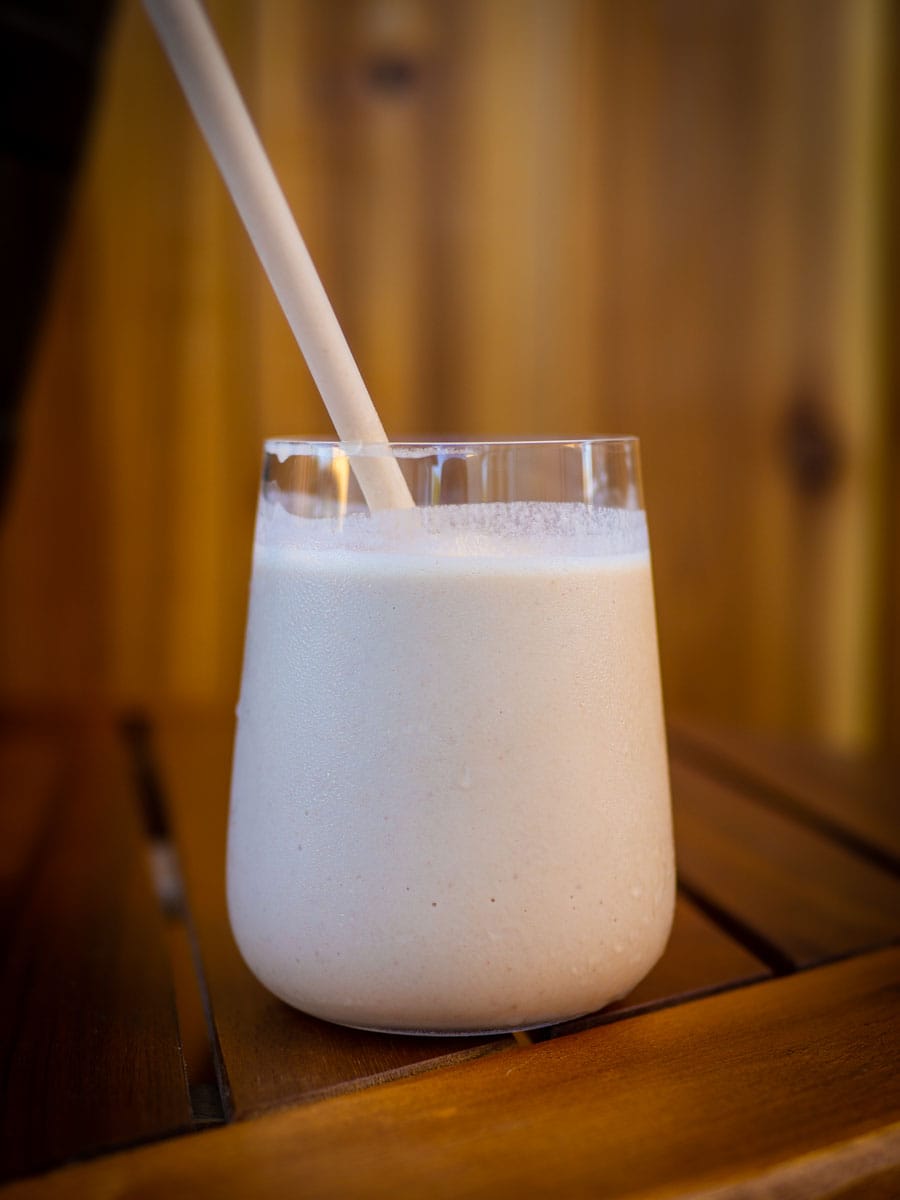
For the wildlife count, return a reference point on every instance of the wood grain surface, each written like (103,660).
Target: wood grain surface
(560,217)
(861,1168)
(805,896)
(89,1043)
(700,1096)
(854,797)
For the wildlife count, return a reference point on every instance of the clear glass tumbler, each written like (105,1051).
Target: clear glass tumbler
(450,805)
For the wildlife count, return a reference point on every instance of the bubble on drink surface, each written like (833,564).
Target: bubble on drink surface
(515,529)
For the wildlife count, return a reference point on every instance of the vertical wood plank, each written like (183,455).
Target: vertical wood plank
(818,556)
(292,94)
(54,549)
(857,554)
(778,370)
(573,391)
(208,495)
(135,243)
(505,137)
(889,325)
(385,75)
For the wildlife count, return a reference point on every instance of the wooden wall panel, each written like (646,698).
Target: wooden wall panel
(858,553)
(54,616)
(534,216)
(889,332)
(290,91)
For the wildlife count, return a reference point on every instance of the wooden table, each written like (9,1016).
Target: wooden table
(760,1058)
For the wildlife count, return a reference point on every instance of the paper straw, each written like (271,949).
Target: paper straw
(202,71)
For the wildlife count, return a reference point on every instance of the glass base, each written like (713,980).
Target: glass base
(490,1031)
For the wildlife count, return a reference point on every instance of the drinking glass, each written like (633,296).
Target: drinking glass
(450,806)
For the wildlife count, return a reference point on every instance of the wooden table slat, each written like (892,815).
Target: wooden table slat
(808,897)
(860,1168)
(707,1095)
(89,1044)
(269,1054)
(858,796)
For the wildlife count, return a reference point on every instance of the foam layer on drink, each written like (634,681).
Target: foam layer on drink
(450,805)
(462,530)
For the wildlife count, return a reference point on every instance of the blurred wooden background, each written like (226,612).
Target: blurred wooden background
(674,218)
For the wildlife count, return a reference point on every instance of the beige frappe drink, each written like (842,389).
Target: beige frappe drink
(450,806)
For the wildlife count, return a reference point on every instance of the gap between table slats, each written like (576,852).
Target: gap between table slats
(807,897)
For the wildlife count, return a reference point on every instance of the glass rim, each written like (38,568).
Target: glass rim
(290,447)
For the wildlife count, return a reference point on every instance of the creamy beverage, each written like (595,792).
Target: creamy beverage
(450,807)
